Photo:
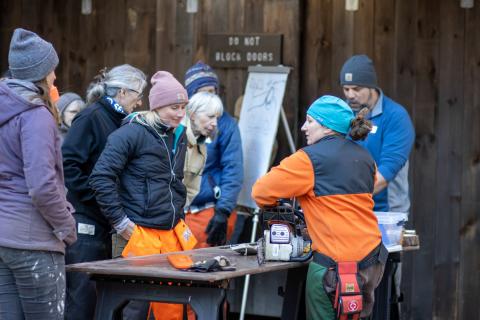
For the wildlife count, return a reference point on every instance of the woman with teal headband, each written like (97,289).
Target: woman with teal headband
(333,180)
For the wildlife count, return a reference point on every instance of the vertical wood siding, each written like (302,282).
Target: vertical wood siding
(427,56)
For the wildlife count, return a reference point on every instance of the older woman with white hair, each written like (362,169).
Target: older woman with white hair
(203,111)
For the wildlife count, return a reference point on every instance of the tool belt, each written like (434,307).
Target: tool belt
(348,301)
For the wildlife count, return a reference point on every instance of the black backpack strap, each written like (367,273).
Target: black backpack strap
(324,260)
(379,254)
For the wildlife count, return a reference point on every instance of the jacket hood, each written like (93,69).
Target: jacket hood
(18,97)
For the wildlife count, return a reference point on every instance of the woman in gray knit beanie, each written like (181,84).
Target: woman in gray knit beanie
(36,222)
(33,60)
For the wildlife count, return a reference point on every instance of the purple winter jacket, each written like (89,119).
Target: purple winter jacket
(34,212)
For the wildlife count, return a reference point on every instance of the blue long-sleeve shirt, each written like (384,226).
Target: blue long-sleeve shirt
(390,143)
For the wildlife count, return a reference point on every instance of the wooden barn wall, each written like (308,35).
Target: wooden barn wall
(153,35)
(427,55)
(427,58)
(185,35)
(85,43)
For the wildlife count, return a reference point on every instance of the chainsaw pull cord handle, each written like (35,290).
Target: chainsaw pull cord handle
(303,258)
(301,216)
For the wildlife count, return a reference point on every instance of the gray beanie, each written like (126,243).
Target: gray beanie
(66,99)
(30,57)
(359,71)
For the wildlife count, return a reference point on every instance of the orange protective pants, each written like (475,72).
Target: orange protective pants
(198,222)
(146,241)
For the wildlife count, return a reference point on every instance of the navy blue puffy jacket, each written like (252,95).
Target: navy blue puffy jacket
(224,166)
(139,176)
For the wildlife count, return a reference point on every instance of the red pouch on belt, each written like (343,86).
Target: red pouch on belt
(348,298)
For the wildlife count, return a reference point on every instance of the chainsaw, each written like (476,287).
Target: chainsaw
(285,236)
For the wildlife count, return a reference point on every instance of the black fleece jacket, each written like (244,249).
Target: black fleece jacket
(81,149)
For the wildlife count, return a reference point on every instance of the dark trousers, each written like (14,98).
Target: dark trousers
(94,243)
(32,284)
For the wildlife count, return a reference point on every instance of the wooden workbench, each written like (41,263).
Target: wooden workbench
(152,278)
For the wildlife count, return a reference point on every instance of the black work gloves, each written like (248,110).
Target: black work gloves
(218,263)
(217,228)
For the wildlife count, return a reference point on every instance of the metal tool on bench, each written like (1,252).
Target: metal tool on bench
(245,249)
(285,236)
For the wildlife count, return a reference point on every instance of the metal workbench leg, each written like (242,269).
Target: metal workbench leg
(294,292)
(383,293)
(206,305)
(381,308)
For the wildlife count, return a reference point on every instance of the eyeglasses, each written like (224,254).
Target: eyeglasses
(139,94)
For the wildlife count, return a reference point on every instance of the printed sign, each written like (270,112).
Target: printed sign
(243,50)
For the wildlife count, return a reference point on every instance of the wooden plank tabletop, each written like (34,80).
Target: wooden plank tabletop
(157,266)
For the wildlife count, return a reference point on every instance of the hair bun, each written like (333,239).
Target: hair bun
(360,127)
(100,77)
(363,113)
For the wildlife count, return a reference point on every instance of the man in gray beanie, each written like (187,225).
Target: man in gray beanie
(389,142)
(30,57)
(391,138)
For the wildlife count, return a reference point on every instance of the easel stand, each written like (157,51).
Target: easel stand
(247,277)
(256,212)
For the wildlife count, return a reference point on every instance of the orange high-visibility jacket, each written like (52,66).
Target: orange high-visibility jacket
(333,180)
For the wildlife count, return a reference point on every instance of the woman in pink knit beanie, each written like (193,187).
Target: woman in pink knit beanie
(138,180)
(168,99)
